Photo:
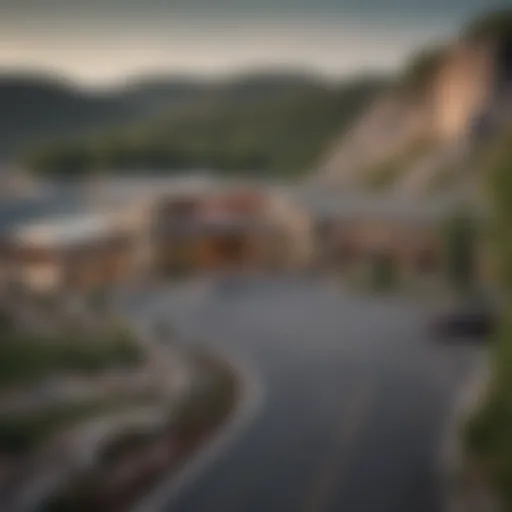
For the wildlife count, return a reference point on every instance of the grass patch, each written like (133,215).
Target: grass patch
(488,434)
(383,274)
(199,416)
(21,434)
(444,178)
(386,173)
(28,358)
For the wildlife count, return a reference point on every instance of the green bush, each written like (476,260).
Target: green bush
(488,434)
(29,358)
(386,173)
(19,434)
(445,178)
(125,443)
(383,273)
(495,25)
(460,238)
(421,70)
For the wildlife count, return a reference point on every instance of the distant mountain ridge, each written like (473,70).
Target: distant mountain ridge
(35,107)
(155,91)
(260,122)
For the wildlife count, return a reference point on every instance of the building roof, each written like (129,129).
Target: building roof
(48,202)
(323,203)
(62,231)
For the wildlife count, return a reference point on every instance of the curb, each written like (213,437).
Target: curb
(168,489)
(461,491)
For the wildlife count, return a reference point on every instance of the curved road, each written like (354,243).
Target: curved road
(355,398)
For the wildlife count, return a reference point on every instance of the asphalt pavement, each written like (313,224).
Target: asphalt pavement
(355,397)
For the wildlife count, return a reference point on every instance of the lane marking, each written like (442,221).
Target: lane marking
(162,496)
(351,420)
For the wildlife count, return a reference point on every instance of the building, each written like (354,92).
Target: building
(164,226)
(355,230)
(78,252)
(235,228)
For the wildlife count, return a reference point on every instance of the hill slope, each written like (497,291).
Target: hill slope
(261,123)
(34,107)
(421,136)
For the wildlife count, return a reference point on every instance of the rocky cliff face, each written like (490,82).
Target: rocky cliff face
(462,89)
(420,135)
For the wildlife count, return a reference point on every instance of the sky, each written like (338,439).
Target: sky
(104,42)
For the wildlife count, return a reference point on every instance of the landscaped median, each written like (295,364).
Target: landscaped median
(27,359)
(133,461)
(92,417)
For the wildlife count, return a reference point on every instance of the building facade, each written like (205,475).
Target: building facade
(234,229)
(79,253)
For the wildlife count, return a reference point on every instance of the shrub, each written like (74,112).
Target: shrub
(460,249)
(383,274)
(29,358)
(488,433)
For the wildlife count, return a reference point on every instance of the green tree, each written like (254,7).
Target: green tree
(460,251)
(495,25)
(500,178)
(383,272)
(277,132)
(489,431)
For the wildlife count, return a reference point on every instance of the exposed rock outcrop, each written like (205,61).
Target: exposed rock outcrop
(447,102)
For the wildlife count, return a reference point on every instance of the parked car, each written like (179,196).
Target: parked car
(475,319)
